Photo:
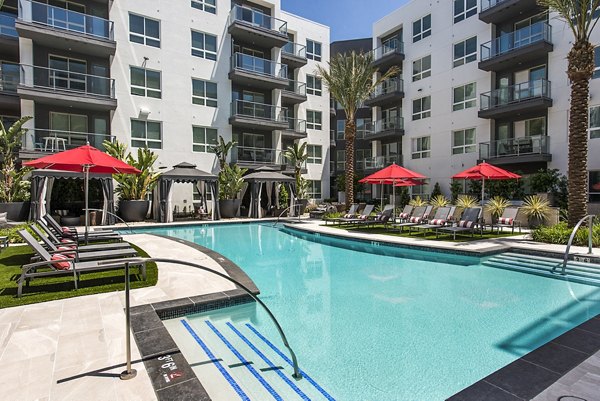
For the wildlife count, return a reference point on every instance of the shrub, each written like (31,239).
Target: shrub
(456,188)
(465,201)
(437,191)
(13,235)
(559,234)
(536,207)
(332,215)
(439,201)
(496,206)
(416,202)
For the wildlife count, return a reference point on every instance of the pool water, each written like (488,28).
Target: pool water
(382,323)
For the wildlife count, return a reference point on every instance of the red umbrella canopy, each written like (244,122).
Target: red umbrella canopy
(75,159)
(408,183)
(486,171)
(391,174)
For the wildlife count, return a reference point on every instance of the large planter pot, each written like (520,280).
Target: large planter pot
(16,211)
(535,222)
(229,207)
(133,210)
(303,203)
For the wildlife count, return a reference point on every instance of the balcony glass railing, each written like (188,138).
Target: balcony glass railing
(538,32)
(515,93)
(485,4)
(528,145)
(294,49)
(298,88)
(250,154)
(60,18)
(258,111)
(51,140)
(380,161)
(389,47)
(257,65)
(69,81)
(388,124)
(7,25)
(297,125)
(9,80)
(389,86)
(257,19)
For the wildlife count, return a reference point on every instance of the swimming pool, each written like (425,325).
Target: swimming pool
(379,323)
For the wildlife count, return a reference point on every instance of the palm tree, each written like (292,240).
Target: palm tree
(579,16)
(350,82)
(221,149)
(297,156)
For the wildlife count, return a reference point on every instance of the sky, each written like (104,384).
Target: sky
(348,19)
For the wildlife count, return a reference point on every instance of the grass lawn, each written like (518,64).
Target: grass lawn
(51,288)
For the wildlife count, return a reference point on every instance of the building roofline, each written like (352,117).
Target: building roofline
(305,19)
(392,12)
(351,40)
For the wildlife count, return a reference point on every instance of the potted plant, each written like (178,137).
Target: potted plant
(230,184)
(221,150)
(302,190)
(417,202)
(284,199)
(297,156)
(466,201)
(133,189)
(14,189)
(536,209)
(496,206)
(439,201)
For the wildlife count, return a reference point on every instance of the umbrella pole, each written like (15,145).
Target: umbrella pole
(382,196)
(394,199)
(482,190)
(86,184)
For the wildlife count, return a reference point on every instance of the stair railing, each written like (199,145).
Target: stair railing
(590,219)
(114,215)
(298,206)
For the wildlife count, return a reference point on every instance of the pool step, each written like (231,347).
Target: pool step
(579,272)
(235,361)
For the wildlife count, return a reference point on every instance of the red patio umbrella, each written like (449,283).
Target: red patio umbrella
(86,159)
(485,171)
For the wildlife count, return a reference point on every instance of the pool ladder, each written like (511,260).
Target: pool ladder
(590,219)
(285,210)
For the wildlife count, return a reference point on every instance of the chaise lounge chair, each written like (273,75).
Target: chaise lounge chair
(508,219)
(440,219)
(351,213)
(405,214)
(71,245)
(70,238)
(364,215)
(381,218)
(469,222)
(71,232)
(419,214)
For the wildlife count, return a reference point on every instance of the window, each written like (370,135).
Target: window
(596,63)
(204,93)
(364,127)
(313,119)
(203,138)
(67,73)
(421,68)
(340,160)
(145,82)
(464,9)
(315,154)
(144,30)
(463,141)
(594,190)
(313,85)
(68,122)
(314,189)
(341,127)
(535,126)
(465,51)
(464,97)
(204,45)
(594,122)
(421,108)
(421,147)
(209,6)
(313,50)
(146,134)
(422,28)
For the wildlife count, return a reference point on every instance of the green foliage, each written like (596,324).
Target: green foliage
(13,235)
(403,197)
(465,201)
(437,191)
(131,186)
(545,181)
(456,188)
(231,181)
(439,201)
(302,188)
(340,183)
(496,206)
(416,202)
(536,207)
(474,188)
(332,215)
(13,186)
(221,149)
(509,189)
(559,234)
(561,195)
(297,156)
(284,197)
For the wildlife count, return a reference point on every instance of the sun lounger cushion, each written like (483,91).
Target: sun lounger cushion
(438,222)
(415,219)
(466,223)
(363,217)
(66,232)
(404,215)
(61,265)
(66,248)
(505,220)
(348,216)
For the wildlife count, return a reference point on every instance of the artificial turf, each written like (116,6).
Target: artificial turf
(52,288)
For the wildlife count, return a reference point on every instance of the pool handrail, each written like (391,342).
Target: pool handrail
(114,215)
(590,218)
(297,205)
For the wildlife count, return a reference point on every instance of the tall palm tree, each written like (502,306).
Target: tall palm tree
(297,155)
(579,16)
(350,80)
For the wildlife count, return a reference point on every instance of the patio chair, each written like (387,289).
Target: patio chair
(60,265)
(55,246)
(406,213)
(419,214)
(75,239)
(469,222)
(364,215)
(351,213)
(508,219)
(440,219)
(71,232)
(381,218)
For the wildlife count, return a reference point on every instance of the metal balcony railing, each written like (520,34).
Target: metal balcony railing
(9,81)
(70,81)
(538,32)
(389,86)
(259,111)
(539,88)
(60,18)
(296,87)
(51,140)
(295,49)
(377,162)
(392,46)
(7,25)
(257,155)
(388,124)
(529,145)
(297,125)
(257,65)
(257,19)
(485,4)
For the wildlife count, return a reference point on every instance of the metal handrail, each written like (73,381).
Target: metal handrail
(257,19)
(589,217)
(297,205)
(114,215)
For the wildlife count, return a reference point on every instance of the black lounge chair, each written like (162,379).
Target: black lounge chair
(405,214)
(508,219)
(381,218)
(60,265)
(468,223)
(70,245)
(351,213)
(440,219)
(364,215)
(71,232)
(419,214)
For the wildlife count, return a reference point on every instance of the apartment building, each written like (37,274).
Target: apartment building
(172,76)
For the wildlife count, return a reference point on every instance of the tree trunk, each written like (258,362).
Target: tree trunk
(349,135)
(580,69)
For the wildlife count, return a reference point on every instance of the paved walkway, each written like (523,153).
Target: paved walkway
(74,349)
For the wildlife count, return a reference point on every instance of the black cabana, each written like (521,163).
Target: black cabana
(268,178)
(186,173)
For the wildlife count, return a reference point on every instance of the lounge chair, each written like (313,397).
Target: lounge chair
(71,245)
(405,214)
(381,218)
(71,232)
(60,265)
(468,223)
(508,219)
(74,238)
(364,215)
(419,214)
(351,213)
(440,219)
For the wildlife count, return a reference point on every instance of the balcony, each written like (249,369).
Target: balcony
(387,93)
(251,157)
(294,55)
(389,128)
(379,162)
(64,29)
(9,81)
(250,25)
(257,72)
(529,149)
(516,101)
(515,48)
(332,111)
(257,115)
(42,141)
(296,129)
(294,93)
(497,11)
(389,54)
(332,141)
(67,88)
(9,39)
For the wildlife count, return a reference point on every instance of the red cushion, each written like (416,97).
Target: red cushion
(348,215)
(505,220)
(403,215)
(61,265)
(438,222)
(66,241)
(66,232)
(415,219)
(66,248)
(362,217)
(464,223)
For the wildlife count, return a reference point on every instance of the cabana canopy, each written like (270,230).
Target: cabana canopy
(268,177)
(186,173)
